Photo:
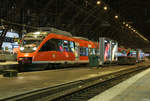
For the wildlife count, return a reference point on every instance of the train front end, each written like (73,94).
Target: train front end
(29,47)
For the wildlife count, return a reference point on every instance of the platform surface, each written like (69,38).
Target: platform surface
(28,81)
(8,63)
(136,88)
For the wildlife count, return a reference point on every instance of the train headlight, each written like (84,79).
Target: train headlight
(21,48)
(20,58)
(34,48)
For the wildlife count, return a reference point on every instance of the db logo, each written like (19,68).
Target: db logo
(53,55)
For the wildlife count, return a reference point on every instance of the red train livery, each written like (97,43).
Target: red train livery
(53,48)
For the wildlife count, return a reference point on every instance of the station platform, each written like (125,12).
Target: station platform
(136,88)
(31,81)
(8,64)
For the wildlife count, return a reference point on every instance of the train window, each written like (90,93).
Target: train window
(83,51)
(66,45)
(60,45)
(86,51)
(71,44)
(50,45)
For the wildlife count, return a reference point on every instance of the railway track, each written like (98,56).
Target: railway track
(81,90)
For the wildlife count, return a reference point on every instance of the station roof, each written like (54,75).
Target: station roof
(85,18)
(136,12)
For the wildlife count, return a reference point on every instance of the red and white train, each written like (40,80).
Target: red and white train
(52,48)
(130,56)
(55,47)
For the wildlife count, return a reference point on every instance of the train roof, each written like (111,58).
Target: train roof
(82,38)
(44,31)
(54,30)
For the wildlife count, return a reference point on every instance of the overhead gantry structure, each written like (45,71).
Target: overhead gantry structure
(85,18)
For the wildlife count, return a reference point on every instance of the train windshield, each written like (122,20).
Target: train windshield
(29,45)
(31,41)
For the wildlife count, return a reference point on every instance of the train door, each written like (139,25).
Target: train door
(60,56)
(71,51)
(65,45)
(76,51)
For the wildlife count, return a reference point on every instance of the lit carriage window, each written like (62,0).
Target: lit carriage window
(83,51)
(86,51)
(71,44)
(66,45)
(60,45)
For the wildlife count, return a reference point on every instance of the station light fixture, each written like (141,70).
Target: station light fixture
(105,8)
(137,33)
(127,25)
(36,33)
(132,29)
(116,16)
(98,2)
(144,38)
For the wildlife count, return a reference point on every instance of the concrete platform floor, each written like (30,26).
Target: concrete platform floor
(7,65)
(29,81)
(136,88)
